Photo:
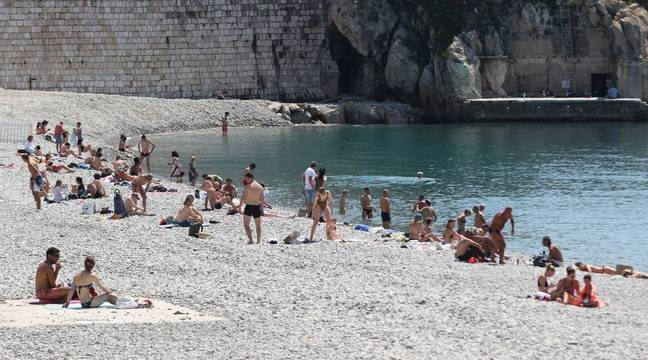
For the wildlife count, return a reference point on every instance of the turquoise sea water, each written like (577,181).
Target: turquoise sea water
(585,185)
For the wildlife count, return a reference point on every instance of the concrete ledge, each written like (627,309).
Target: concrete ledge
(554,109)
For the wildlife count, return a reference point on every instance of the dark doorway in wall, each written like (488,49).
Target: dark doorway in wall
(599,87)
(348,61)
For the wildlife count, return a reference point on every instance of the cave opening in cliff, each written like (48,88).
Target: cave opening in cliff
(348,61)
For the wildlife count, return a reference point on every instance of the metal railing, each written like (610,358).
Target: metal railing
(12,132)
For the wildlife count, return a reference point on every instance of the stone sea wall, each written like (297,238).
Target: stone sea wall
(168,48)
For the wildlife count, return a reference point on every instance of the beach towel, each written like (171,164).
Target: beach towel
(362,227)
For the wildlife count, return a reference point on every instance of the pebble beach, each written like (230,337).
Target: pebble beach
(365,298)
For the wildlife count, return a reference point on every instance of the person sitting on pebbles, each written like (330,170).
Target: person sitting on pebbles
(96,189)
(48,288)
(96,162)
(428,234)
(567,289)
(132,207)
(188,214)
(120,170)
(84,286)
(543,280)
(415,228)
(467,249)
(66,150)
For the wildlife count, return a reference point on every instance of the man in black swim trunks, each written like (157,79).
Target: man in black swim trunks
(253,198)
(385,209)
(146,148)
(367,206)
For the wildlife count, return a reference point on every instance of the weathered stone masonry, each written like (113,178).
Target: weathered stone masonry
(168,48)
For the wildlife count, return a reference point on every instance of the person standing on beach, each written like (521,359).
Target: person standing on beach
(193,171)
(141,185)
(343,201)
(78,133)
(58,135)
(461,221)
(480,221)
(253,197)
(146,148)
(308,178)
(36,180)
(385,209)
(497,225)
(48,288)
(321,208)
(176,167)
(367,206)
(225,123)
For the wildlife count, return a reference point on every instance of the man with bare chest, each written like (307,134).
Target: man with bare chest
(47,286)
(497,225)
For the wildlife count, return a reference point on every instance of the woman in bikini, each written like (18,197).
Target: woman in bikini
(543,280)
(84,286)
(321,206)
(176,167)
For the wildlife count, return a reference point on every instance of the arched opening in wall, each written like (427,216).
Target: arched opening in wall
(348,60)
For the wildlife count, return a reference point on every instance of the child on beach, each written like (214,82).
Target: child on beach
(587,296)
(331,230)
(59,193)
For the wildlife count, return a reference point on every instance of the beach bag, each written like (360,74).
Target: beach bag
(195,229)
(540,260)
(118,203)
(88,208)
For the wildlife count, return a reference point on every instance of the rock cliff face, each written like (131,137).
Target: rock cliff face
(505,48)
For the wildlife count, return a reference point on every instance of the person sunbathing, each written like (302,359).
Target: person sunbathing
(543,280)
(567,289)
(449,234)
(84,284)
(48,288)
(120,170)
(485,241)
(96,188)
(608,270)
(188,214)
(209,187)
(415,228)
(132,207)
(57,168)
(66,150)
(428,234)
(96,162)
(467,249)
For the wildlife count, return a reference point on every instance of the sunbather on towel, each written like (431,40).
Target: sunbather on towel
(188,214)
(47,286)
(84,286)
